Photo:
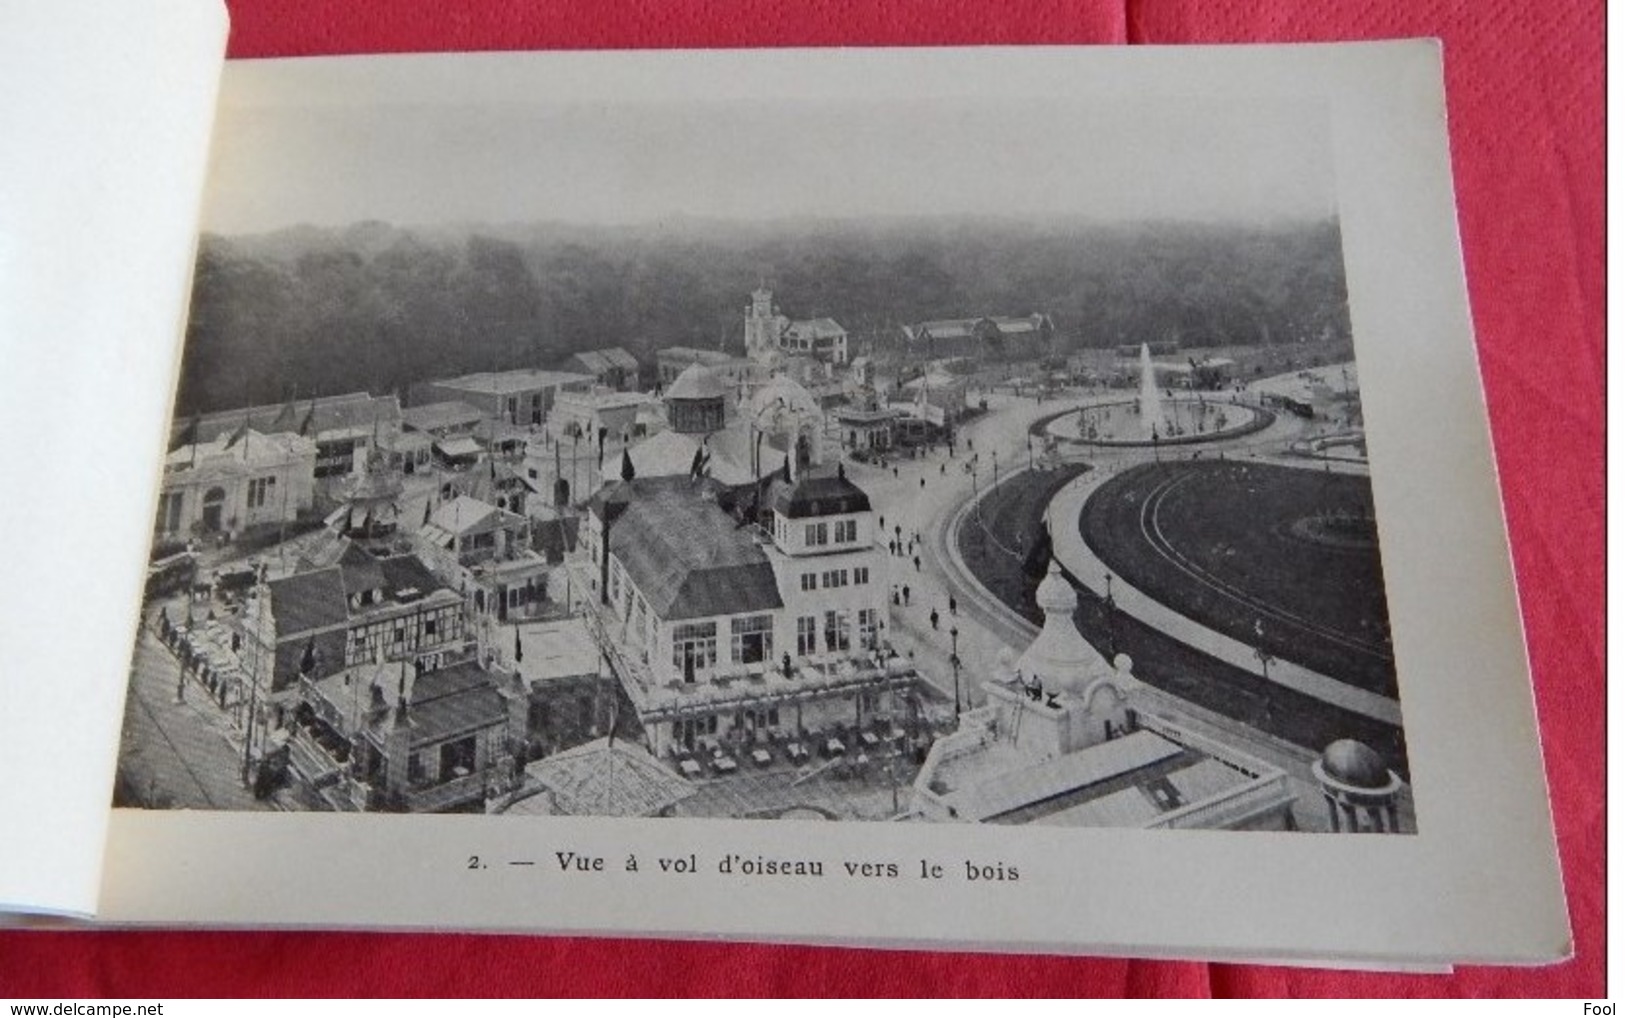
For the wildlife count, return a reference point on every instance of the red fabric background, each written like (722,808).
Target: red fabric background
(1525,92)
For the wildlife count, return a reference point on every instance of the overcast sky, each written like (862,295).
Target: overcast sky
(643,162)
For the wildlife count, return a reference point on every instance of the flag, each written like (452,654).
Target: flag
(697,463)
(627,471)
(188,434)
(309,420)
(518,647)
(238,435)
(285,417)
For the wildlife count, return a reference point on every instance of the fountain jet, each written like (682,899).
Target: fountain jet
(1150,398)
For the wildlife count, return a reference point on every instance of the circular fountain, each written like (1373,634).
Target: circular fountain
(1153,418)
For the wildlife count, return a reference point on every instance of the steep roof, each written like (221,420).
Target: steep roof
(309,601)
(356,411)
(961,328)
(714,358)
(696,382)
(446,414)
(825,495)
(605,779)
(815,328)
(454,700)
(253,451)
(597,361)
(508,382)
(463,515)
(671,454)
(690,559)
(319,599)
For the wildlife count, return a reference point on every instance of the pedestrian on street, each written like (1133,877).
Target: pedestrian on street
(916,563)
(922,483)
(894,472)
(895,598)
(905,595)
(934,619)
(942,469)
(953,605)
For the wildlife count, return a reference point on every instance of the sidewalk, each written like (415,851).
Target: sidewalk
(1087,569)
(176,755)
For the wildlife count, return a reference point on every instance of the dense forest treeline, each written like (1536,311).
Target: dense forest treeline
(314,311)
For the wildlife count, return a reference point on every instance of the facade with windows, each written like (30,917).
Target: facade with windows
(440,741)
(768,330)
(364,610)
(725,633)
(486,551)
(522,396)
(343,428)
(236,481)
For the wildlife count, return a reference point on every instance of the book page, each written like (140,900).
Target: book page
(106,120)
(859,496)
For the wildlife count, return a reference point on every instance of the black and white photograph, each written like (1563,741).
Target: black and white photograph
(954,460)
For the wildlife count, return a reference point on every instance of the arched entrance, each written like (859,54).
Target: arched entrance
(214,504)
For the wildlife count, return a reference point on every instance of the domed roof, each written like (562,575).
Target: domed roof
(783,402)
(696,382)
(1055,593)
(1059,656)
(1354,764)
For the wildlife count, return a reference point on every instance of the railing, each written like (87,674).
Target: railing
(428,798)
(1250,800)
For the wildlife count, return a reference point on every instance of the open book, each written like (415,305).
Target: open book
(1024,499)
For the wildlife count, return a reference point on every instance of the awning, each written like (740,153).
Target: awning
(458,448)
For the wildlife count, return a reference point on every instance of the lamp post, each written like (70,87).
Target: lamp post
(1264,658)
(953,660)
(1111,620)
(973,495)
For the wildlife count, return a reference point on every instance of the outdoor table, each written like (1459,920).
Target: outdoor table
(897,735)
(870,739)
(797,752)
(690,768)
(762,757)
(834,747)
(725,765)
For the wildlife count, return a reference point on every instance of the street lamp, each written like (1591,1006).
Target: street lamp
(1264,659)
(975,499)
(953,660)
(1111,621)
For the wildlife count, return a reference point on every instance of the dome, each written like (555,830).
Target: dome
(696,382)
(783,403)
(1059,656)
(1354,764)
(1055,594)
